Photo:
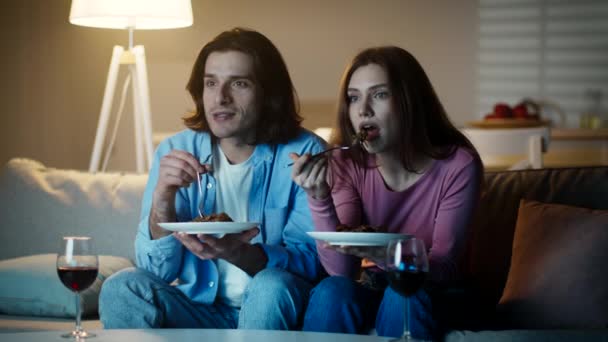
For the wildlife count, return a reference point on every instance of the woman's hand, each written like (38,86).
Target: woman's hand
(376,254)
(310,175)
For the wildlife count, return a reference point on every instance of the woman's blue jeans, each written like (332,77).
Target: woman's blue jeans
(339,304)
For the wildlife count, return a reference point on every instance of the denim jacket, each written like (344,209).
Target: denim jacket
(275,201)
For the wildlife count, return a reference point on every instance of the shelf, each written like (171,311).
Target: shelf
(579,134)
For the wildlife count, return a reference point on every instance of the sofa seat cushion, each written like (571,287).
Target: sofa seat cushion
(30,286)
(557,277)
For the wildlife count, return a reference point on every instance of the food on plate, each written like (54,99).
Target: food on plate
(360,229)
(221,217)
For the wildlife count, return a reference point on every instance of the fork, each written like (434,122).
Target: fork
(200,194)
(316,155)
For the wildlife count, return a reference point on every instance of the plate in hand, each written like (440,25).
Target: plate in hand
(356,238)
(208,227)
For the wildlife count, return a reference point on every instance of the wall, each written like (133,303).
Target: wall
(55,72)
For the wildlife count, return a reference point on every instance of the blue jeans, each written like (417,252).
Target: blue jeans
(339,304)
(274,300)
(135,298)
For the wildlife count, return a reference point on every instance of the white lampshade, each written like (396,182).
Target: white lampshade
(138,14)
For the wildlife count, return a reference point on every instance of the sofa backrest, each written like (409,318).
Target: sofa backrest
(39,205)
(495,219)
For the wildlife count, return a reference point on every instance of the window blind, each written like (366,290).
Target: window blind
(553,51)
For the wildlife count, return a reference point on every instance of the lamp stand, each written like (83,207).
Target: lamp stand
(135,59)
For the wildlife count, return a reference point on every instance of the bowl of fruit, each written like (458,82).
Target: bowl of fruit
(524,114)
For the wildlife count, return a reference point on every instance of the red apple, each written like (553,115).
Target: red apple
(502,110)
(490,116)
(521,111)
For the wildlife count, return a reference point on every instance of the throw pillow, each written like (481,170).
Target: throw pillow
(557,277)
(30,286)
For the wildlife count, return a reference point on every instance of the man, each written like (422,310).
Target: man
(238,142)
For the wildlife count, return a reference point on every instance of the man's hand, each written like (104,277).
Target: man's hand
(234,248)
(176,169)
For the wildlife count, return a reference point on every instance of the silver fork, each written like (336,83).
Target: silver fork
(316,155)
(200,194)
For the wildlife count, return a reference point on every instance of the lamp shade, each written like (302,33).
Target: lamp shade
(138,14)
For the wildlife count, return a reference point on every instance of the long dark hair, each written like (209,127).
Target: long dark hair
(425,126)
(279,119)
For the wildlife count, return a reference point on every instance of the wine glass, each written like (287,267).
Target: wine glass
(77,268)
(407,264)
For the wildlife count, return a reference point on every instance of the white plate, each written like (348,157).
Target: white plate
(208,227)
(356,238)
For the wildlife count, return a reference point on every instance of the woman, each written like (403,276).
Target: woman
(414,173)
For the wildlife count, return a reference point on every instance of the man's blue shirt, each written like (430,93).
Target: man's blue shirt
(275,201)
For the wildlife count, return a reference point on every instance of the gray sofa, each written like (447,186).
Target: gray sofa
(39,205)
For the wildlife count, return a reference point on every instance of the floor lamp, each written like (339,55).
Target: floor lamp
(130,15)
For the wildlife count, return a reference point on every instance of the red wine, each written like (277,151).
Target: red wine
(77,278)
(406,283)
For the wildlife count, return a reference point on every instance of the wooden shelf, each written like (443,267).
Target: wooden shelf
(579,134)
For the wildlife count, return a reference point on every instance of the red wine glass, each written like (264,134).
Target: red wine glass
(77,268)
(407,264)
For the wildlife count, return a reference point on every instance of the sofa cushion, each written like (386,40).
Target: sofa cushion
(30,286)
(557,277)
(494,221)
(39,205)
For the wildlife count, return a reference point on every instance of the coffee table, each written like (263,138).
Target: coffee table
(194,335)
